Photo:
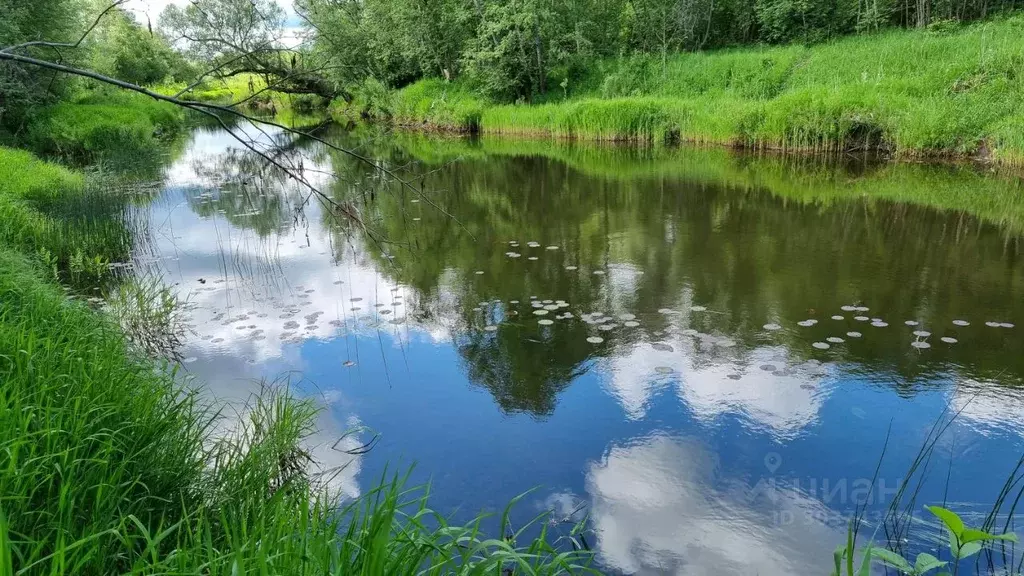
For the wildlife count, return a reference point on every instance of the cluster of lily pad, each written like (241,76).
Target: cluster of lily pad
(920,341)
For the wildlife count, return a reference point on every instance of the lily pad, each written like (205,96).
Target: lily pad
(949,340)
(835,339)
(772,327)
(545,322)
(540,312)
(595,339)
(838,317)
(853,334)
(961,323)
(922,333)
(920,344)
(821,345)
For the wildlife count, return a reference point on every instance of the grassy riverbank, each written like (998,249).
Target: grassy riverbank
(941,92)
(109,466)
(103,122)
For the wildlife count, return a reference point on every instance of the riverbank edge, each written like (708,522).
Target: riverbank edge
(672,137)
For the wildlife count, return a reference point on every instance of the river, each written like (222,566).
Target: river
(705,352)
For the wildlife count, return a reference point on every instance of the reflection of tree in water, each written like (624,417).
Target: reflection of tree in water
(752,255)
(252,195)
(524,373)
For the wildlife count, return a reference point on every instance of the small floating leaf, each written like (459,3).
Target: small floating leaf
(861,318)
(879,324)
(627,317)
(595,339)
(838,317)
(570,268)
(552,248)
(821,346)
(540,312)
(911,322)
(992,324)
(545,322)
(853,334)
(848,308)
(697,308)
(1005,325)
(948,340)
(920,344)
(806,323)
(922,333)
(531,258)
(607,327)
(835,339)
(772,327)
(630,324)
(599,272)
(961,323)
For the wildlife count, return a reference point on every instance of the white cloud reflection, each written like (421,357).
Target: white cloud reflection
(658,506)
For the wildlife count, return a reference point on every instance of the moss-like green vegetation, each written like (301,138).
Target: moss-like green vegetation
(104,122)
(914,94)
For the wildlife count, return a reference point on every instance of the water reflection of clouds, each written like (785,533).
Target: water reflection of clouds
(659,506)
(765,385)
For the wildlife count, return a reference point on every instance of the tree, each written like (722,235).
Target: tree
(245,36)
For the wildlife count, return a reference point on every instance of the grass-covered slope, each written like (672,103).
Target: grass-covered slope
(916,93)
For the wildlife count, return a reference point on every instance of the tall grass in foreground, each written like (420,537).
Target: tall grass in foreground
(107,467)
(913,93)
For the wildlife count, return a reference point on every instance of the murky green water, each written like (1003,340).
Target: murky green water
(704,352)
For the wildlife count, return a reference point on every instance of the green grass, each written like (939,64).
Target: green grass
(101,123)
(56,215)
(913,93)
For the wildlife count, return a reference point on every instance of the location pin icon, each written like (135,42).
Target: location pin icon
(772,461)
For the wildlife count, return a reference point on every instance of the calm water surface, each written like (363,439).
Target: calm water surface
(655,392)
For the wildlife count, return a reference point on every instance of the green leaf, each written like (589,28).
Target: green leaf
(949,518)
(969,549)
(926,562)
(972,535)
(890,558)
(838,557)
(865,563)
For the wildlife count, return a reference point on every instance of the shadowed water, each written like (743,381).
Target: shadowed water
(703,352)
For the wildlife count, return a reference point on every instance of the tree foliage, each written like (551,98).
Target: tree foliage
(523,49)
